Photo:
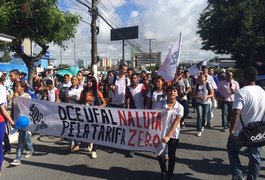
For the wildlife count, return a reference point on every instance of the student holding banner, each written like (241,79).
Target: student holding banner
(73,96)
(172,129)
(135,93)
(90,96)
(23,136)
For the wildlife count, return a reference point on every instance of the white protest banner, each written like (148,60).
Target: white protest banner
(168,69)
(131,129)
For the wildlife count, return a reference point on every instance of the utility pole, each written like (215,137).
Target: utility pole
(150,51)
(123,58)
(94,31)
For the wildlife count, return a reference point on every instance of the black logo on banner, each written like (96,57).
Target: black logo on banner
(37,116)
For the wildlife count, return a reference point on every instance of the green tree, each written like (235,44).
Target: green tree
(5,57)
(39,20)
(235,27)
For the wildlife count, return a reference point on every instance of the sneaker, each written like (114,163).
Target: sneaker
(94,155)
(90,147)
(199,134)
(225,129)
(129,154)
(6,152)
(210,126)
(16,162)
(202,129)
(28,154)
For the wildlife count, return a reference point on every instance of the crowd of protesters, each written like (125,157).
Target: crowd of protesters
(126,89)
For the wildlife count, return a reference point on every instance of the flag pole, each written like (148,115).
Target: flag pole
(180,41)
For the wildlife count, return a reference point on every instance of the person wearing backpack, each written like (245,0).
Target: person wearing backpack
(118,84)
(183,86)
(91,96)
(203,94)
(211,81)
(63,86)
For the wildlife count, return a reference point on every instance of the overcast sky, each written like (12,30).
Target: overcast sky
(162,20)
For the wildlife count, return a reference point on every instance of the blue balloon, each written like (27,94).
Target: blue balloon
(22,122)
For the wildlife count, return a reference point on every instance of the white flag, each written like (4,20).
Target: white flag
(196,68)
(168,69)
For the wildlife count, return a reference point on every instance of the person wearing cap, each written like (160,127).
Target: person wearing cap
(172,131)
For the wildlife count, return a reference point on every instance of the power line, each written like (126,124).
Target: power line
(104,19)
(78,5)
(127,12)
(139,17)
(118,22)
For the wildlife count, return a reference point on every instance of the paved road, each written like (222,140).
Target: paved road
(202,158)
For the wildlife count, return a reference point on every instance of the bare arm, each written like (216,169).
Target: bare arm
(104,104)
(172,129)
(6,114)
(234,119)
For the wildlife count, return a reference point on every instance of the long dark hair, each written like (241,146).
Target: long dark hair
(94,90)
(164,83)
(23,85)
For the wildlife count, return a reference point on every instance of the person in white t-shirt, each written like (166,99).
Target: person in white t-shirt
(249,105)
(73,96)
(172,130)
(23,136)
(211,81)
(3,94)
(157,96)
(203,94)
(118,84)
(52,93)
(135,93)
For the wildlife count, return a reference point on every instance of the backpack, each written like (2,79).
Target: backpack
(115,78)
(207,86)
(62,94)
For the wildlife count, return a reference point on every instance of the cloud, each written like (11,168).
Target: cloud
(160,20)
